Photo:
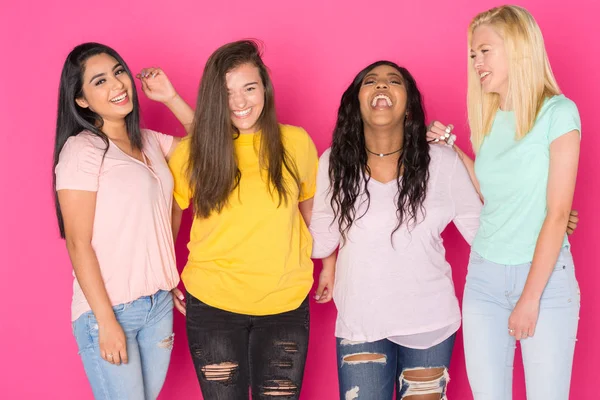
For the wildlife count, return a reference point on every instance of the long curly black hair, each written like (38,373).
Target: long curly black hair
(348,168)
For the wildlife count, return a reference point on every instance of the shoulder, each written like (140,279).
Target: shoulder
(294,135)
(84,143)
(443,156)
(559,105)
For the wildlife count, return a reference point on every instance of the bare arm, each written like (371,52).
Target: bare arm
(564,158)
(157,86)
(470,165)
(306,207)
(176,215)
(78,209)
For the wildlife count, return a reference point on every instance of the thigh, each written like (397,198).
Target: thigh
(278,349)
(548,354)
(424,371)
(218,342)
(109,381)
(366,370)
(155,340)
(489,349)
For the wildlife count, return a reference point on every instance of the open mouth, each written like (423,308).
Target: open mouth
(120,99)
(381,101)
(242,113)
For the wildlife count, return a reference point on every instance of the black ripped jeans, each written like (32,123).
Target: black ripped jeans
(234,351)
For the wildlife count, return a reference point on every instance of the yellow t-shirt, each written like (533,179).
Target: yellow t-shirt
(253,257)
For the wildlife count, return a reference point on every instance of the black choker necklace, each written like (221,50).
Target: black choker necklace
(384,154)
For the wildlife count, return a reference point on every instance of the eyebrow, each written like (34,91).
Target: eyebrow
(117,65)
(251,83)
(480,46)
(389,74)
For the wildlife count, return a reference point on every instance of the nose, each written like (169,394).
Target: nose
(118,84)
(238,100)
(381,85)
(478,61)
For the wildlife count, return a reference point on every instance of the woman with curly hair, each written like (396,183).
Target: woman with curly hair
(384,196)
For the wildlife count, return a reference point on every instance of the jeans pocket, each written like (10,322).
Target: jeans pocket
(558,290)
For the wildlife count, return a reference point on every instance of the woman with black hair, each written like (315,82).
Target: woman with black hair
(384,196)
(114,196)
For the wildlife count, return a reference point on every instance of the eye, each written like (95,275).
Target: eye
(396,82)
(484,51)
(369,82)
(251,88)
(472,55)
(100,82)
(119,71)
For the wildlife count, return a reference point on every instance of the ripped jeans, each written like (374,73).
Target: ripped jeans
(369,370)
(234,351)
(148,326)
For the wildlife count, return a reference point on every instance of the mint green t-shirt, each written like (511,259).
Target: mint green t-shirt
(513,177)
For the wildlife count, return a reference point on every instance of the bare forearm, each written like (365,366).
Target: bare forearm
(329,261)
(182,111)
(176,216)
(470,165)
(546,253)
(87,272)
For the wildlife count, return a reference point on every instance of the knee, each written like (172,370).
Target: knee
(223,372)
(424,383)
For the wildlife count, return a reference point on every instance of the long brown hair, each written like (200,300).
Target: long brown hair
(213,171)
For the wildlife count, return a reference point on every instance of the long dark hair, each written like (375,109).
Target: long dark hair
(348,168)
(73,119)
(212,168)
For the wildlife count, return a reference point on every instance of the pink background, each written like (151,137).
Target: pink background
(314,48)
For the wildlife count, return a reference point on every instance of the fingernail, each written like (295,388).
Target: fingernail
(180,297)
(317,297)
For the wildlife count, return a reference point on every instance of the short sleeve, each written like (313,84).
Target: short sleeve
(164,141)
(178,166)
(323,224)
(564,118)
(467,204)
(308,184)
(80,163)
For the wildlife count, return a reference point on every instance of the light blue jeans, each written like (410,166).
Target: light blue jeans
(491,293)
(148,326)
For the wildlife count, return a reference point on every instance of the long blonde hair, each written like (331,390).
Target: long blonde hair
(530,77)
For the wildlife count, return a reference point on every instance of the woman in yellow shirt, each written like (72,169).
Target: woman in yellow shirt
(250,182)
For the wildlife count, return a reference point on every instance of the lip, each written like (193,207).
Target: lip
(242,114)
(482,79)
(375,99)
(121,102)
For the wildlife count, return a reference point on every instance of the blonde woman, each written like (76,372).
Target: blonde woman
(521,282)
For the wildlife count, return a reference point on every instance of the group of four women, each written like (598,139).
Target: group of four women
(372,207)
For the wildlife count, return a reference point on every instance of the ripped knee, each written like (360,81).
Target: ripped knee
(352,393)
(363,358)
(424,383)
(279,387)
(222,372)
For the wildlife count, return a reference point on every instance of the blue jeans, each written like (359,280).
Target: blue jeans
(374,379)
(491,293)
(148,326)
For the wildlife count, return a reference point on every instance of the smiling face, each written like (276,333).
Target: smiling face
(489,59)
(107,88)
(246,94)
(383,97)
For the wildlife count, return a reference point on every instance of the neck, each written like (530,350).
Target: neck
(505,103)
(115,130)
(384,140)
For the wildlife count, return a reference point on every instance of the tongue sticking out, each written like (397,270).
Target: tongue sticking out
(381,103)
